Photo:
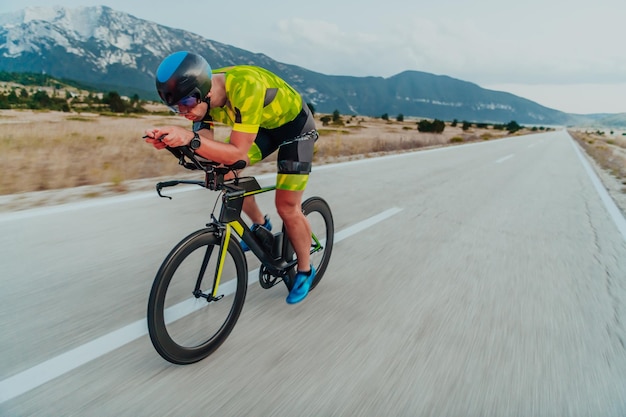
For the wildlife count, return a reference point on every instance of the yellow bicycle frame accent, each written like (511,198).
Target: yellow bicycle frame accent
(220,266)
(223,249)
(237,226)
(259,191)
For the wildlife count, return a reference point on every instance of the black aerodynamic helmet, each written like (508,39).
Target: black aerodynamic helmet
(181,75)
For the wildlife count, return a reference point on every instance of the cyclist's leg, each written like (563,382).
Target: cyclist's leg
(289,207)
(295,159)
(252,210)
(294,165)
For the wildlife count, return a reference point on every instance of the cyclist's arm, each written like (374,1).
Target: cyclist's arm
(248,112)
(225,153)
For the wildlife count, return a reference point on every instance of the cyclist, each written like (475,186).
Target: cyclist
(266,114)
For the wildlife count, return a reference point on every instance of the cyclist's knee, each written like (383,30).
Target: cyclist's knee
(288,204)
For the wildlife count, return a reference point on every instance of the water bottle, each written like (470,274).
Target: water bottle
(266,238)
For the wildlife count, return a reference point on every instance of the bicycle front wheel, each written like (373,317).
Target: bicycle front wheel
(187,319)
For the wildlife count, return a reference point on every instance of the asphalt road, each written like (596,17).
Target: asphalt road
(475,280)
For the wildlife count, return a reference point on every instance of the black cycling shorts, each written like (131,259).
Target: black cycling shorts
(294,141)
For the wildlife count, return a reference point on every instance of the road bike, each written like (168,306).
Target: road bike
(199,290)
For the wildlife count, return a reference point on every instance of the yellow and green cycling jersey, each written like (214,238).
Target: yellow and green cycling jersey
(261,103)
(257,99)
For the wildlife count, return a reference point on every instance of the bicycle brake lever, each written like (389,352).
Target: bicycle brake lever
(163,195)
(162,185)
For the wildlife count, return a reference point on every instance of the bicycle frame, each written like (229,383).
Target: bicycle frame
(230,218)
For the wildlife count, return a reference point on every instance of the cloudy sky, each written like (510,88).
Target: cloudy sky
(564,54)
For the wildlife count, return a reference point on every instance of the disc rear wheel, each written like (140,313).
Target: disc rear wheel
(320,218)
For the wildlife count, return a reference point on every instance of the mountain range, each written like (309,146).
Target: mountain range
(115,51)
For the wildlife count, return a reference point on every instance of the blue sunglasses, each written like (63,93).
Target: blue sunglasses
(185,104)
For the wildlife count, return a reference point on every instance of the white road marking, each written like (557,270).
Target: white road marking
(46,371)
(499,161)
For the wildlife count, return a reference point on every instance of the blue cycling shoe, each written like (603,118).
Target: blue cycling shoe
(301,286)
(267,225)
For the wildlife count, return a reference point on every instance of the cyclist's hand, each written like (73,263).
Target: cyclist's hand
(173,136)
(154,138)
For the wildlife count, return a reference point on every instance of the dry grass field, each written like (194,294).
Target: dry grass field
(54,157)
(609,151)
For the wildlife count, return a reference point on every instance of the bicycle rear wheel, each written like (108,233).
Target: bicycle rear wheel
(185,322)
(317,212)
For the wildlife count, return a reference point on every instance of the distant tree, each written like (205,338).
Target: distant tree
(466,125)
(337,119)
(40,100)
(426,126)
(385,116)
(336,116)
(12,98)
(4,102)
(438,126)
(400,117)
(454,123)
(325,120)
(115,102)
(513,126)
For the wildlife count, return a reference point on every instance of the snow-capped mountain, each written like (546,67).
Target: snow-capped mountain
(111,50)
(98,35)
(97,45)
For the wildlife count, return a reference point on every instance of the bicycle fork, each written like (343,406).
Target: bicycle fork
(225,235)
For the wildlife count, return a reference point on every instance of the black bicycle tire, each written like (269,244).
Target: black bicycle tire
(163,343)
(319,205)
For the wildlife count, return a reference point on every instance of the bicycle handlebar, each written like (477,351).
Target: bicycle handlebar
(173,183)
(214,171)
(195,162)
